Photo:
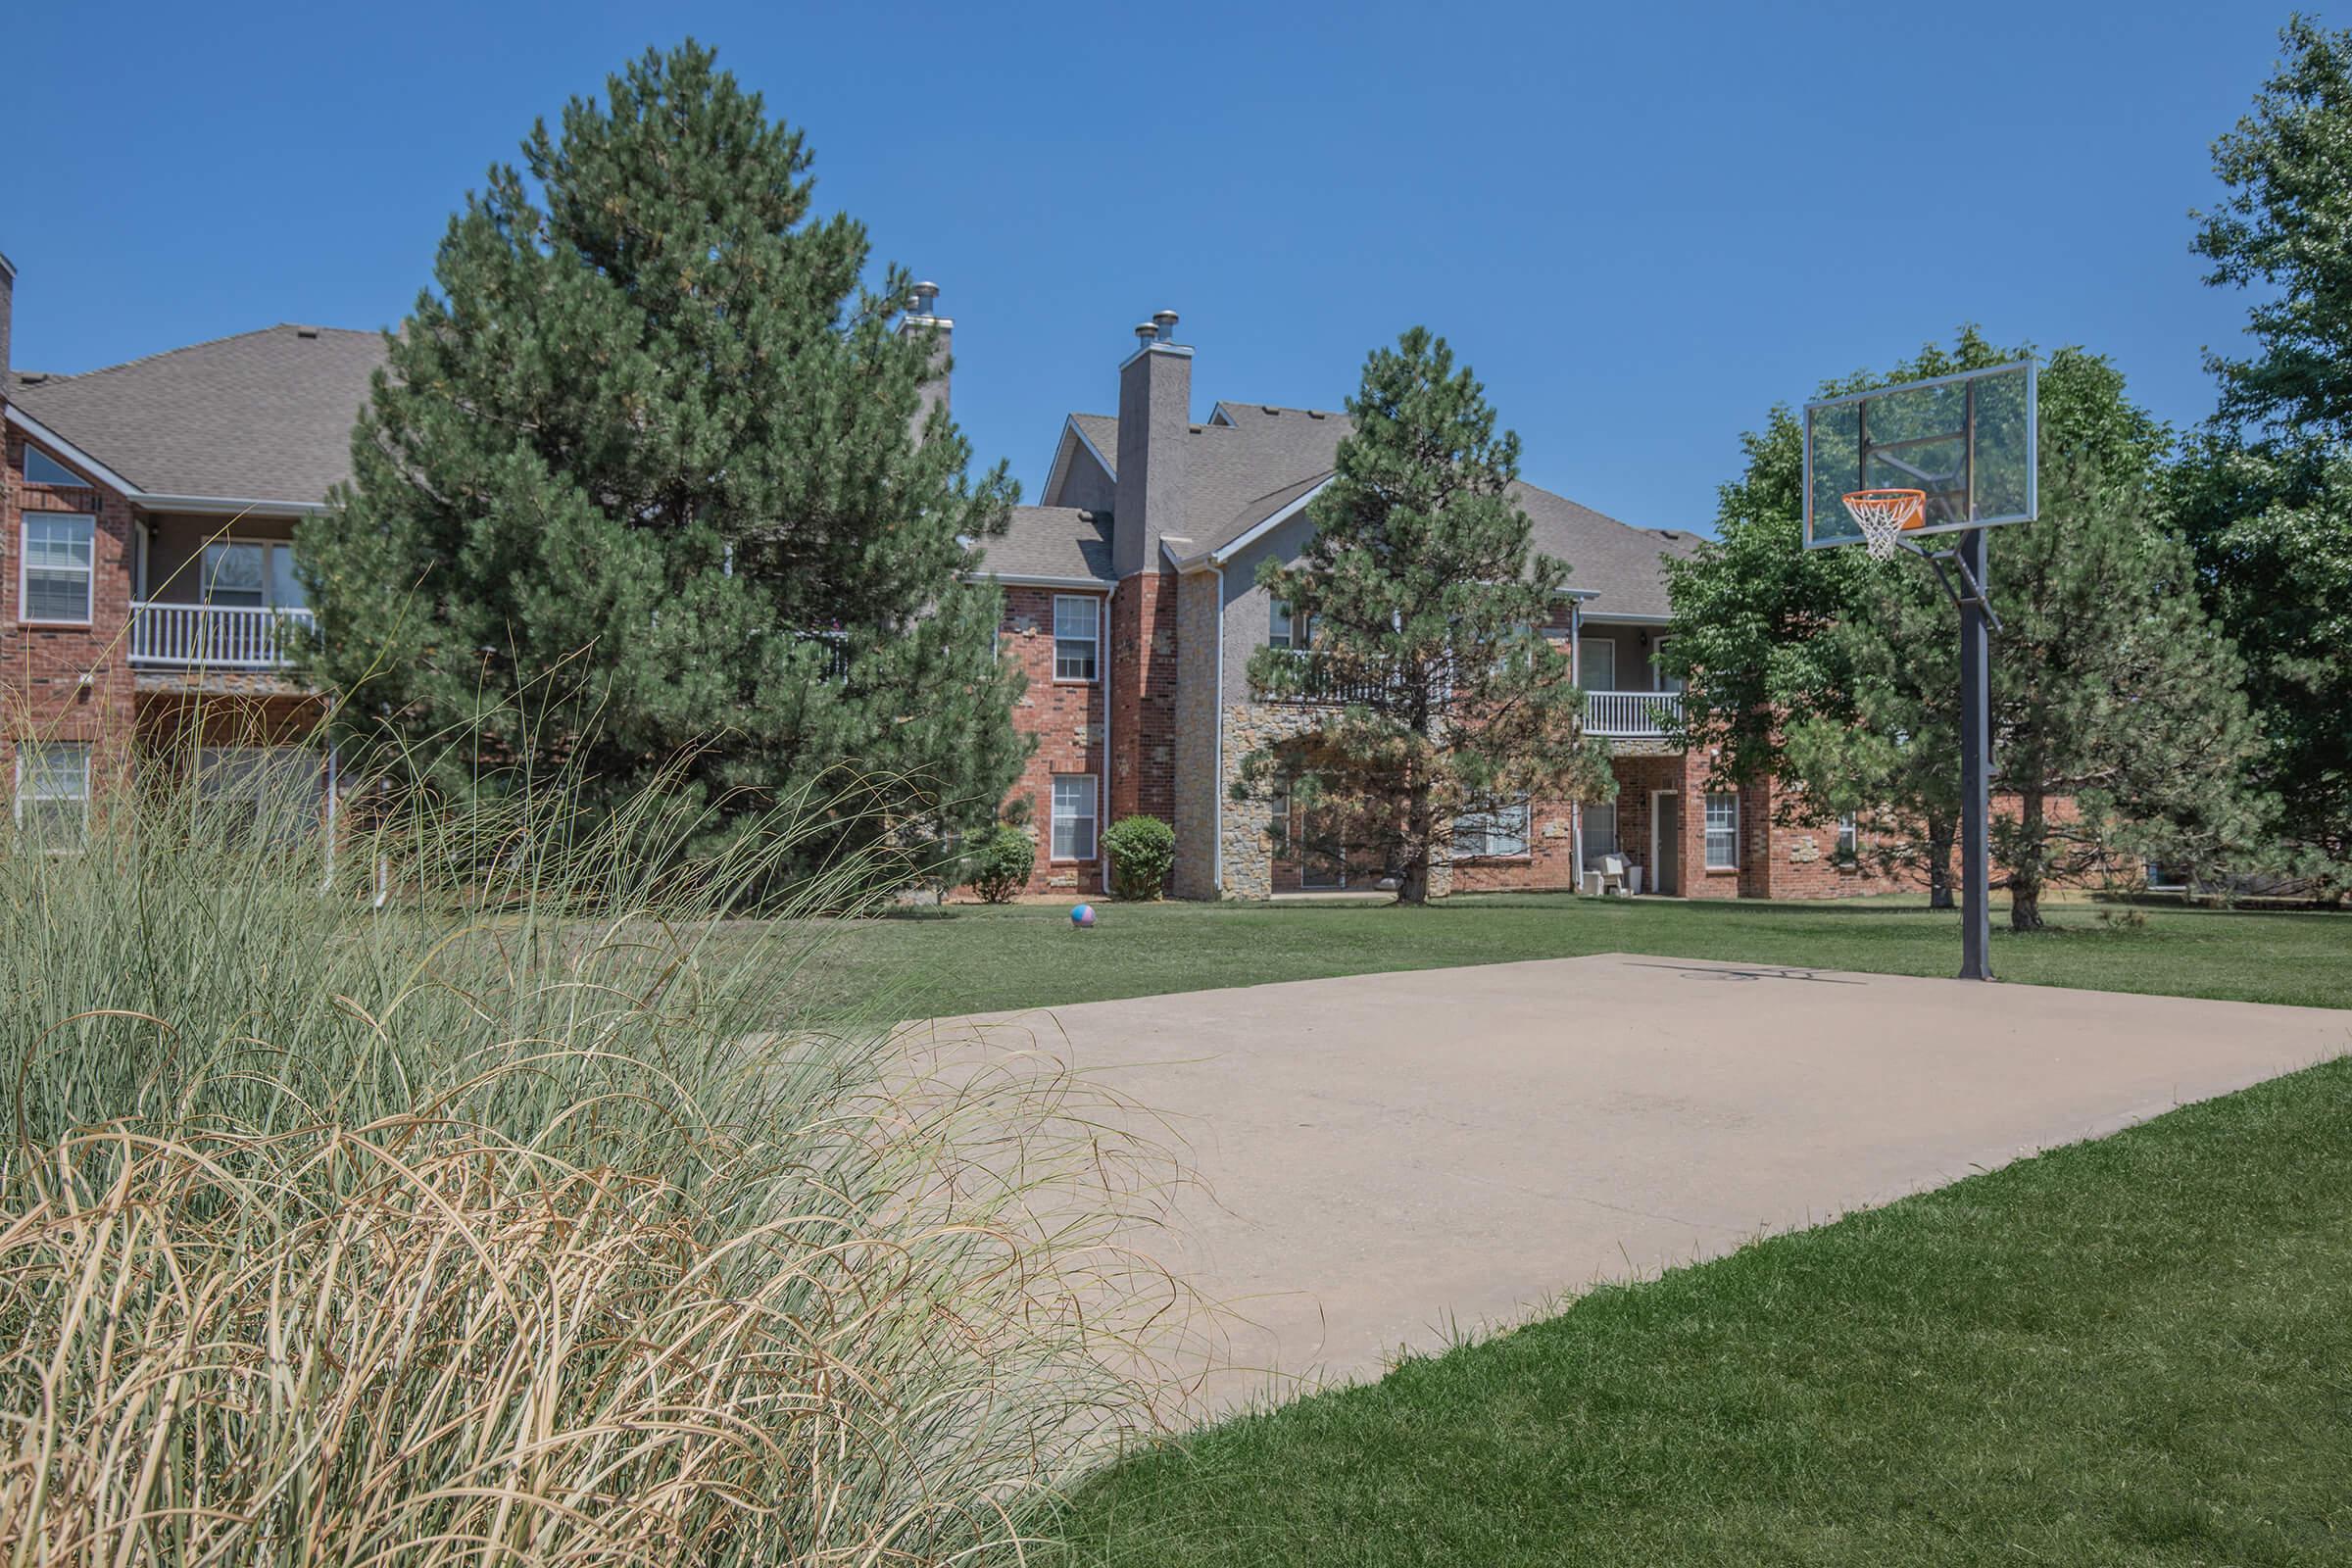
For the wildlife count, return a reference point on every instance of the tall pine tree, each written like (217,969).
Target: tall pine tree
(2264,492)
(1424,603)
(641,491)
(2119,724)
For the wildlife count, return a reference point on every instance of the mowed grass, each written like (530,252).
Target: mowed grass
(974,958)
(2132,1352)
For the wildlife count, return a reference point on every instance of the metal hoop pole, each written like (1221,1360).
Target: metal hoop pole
(1975,766)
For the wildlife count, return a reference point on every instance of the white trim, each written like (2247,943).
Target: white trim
(1619,617)
(1053,820)
(109,479)
(1265,526)
(1096,679)
(79,459)
(1040,579)
(1706,831)
(1216,803)
(89,579)
(233,505)
(84,746)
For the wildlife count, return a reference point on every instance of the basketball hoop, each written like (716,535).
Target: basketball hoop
(1884,514)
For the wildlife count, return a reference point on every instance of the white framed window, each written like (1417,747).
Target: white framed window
(249,573)
(1849,836)
(1601,831)
(1073,817)
(53,794)
(1663,681)
(1596,664)
(1723,832)
(56,566)
(1285,630)
(42,469)
(1077,633)
(257,794)
(1498,830)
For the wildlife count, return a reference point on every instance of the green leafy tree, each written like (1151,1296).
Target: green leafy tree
(2264,492)
(1433,688)
(643,492)
(2119,720)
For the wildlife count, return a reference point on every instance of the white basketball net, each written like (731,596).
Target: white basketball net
(1881,519)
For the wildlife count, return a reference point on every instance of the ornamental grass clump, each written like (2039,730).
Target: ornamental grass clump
(464,1187)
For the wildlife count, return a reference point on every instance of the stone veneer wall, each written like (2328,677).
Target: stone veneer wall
(1247,837)
(1194,789)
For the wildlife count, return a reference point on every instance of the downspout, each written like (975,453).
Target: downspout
(1576,673)
(1216,720)
(1103,686)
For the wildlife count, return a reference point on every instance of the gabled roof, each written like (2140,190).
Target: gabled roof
(1051,544)
(264,416)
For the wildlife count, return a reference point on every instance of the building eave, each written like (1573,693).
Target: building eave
(72,454)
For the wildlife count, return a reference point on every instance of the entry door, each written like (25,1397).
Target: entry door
(1666,840)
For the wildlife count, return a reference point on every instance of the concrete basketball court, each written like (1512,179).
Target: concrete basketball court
(1385,1154)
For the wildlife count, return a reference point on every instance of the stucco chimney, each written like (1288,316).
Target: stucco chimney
(923,316)
(1155,404)
(7,301)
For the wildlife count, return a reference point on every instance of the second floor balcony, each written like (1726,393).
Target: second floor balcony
(1632,716)
(200,636)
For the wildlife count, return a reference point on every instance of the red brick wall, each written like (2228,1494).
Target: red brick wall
(1066,717)
(1142,700)
(43,695)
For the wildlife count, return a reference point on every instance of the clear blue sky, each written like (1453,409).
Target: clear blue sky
(1638,222)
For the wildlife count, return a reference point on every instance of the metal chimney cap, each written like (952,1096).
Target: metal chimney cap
(1146,331)
(1163,325)
(926,292)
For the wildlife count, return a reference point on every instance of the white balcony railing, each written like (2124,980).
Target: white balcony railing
(211,636)
(1631,715)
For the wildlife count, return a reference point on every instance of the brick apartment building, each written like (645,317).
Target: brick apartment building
(148,509)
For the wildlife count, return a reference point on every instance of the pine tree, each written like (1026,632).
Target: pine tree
(2265,493)
(2119,724)
(641,491)
(1438,692)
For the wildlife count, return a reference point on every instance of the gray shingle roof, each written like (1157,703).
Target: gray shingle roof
(1103,429)
(1051,542)
(264,416)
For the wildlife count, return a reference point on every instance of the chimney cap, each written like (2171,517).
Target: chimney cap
(8,270)
(1163,325)
(921,297)
(1146,331)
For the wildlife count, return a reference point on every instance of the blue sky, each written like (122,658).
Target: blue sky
(1643,224)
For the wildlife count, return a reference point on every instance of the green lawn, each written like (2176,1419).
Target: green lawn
(2132,1352)
(968,958)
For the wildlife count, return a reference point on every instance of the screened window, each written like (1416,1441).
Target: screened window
(1076,628)
(53,794)
(59,548)
(1849,836)
(1500,830)
(1597,657)
(42,469)
(1073,817)
(1601,831)
(1723,832)
(255,794)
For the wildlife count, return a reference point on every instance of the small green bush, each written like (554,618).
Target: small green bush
(1002,859)
(1141,850)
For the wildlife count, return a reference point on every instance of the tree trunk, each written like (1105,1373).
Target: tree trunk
(1412,878)
(1941,834)
(2024,874)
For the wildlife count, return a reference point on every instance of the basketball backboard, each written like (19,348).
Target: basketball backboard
(1967,440)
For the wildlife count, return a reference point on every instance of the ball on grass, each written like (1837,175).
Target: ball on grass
(1082,916)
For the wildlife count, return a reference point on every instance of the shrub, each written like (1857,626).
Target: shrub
(1002,859)
(362,1209)
(1141,851)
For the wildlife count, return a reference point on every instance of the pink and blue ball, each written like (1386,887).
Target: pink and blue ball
(1082,916)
